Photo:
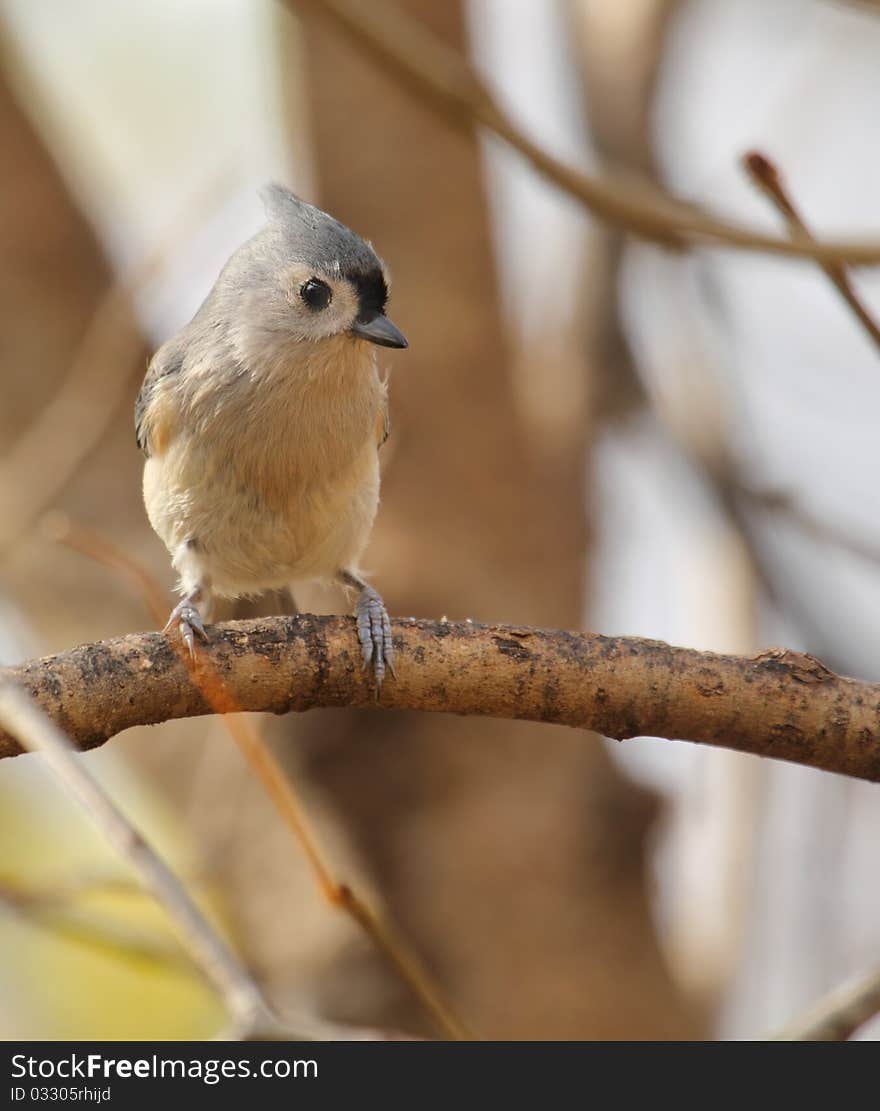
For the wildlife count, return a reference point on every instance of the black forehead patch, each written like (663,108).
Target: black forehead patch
(372,293)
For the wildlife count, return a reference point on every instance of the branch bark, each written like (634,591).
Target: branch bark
(781,703)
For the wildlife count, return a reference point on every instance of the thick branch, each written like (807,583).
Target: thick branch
(782,704)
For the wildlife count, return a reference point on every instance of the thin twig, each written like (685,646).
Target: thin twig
(251,1016)
(768,179)
(35,732)
(62,437)
(397,952)
(276,783)
(62,917)
(438,75)
(789,507)
(61,529)
(839,1014)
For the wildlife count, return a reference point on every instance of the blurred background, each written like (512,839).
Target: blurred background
(588,432)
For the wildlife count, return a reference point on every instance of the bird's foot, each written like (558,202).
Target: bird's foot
(189,621)
(374,632)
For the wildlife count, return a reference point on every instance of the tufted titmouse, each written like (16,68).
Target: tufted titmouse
(261,421)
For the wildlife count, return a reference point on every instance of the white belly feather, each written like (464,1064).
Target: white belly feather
(221,535)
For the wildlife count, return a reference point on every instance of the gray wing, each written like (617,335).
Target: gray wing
(167,360)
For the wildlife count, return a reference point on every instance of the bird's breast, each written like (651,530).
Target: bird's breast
(308,422)
(276,475)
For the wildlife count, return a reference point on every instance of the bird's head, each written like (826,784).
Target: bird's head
(307,277)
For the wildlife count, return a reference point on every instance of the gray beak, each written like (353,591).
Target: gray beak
(379,330)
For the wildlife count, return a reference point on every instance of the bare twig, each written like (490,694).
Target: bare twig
(839,1014)
(424,65)
(791,508)
(781,703)
(57,913)
(768,179)
(44,458)
(89,396)
(288,805)
(35,732)
(59,527)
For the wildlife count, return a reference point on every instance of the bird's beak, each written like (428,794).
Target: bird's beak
(380,330)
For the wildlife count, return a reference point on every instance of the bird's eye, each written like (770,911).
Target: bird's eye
(316,293)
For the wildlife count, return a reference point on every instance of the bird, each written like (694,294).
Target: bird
(262,418)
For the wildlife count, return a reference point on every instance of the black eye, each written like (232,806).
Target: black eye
(316,293)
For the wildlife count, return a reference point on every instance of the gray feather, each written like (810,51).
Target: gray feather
(167,360)
(307,234)
(296,232)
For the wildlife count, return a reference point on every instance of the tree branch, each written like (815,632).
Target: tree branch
(425,66)
(769,180)
(781,703)
(839,1014)
(276,784)
(251,1016)
(238,991)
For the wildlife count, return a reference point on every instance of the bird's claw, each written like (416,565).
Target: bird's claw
(189,622)
(374,633)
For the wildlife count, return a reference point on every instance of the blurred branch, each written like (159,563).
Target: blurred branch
(49,453)
(704,447)
(766,176)
(738,502)
(425,66)
(61,529)
(786,505)
(780,703)
(57,913)
(872,6)
(62,436)
(839,1014)
(286,801)
(249,1012)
